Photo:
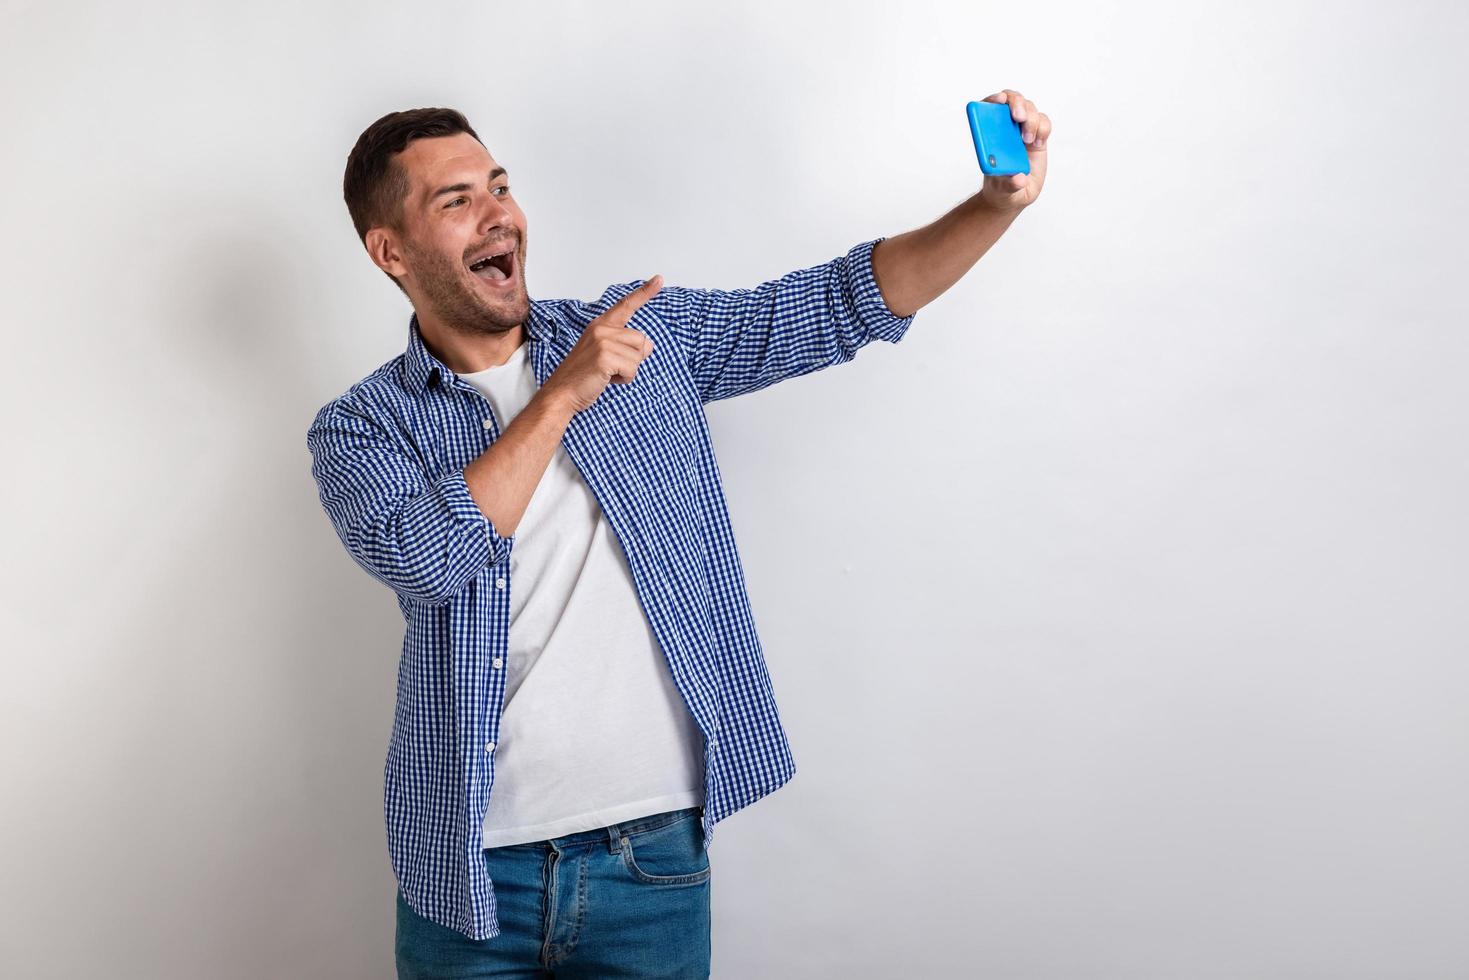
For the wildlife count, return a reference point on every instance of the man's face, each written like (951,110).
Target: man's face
(458,209)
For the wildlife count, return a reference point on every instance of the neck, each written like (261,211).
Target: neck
(466,353)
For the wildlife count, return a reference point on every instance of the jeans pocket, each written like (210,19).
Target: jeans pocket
(669,855)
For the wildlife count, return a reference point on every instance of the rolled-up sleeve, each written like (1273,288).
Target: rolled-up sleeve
(741,340)
(425,539)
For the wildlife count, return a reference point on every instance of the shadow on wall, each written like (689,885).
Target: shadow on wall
(269,658)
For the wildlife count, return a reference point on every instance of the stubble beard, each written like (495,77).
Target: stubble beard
(460,304)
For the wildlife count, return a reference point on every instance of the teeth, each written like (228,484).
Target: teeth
(479,264)
(487,269)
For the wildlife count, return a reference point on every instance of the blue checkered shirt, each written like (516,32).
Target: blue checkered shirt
(388,457)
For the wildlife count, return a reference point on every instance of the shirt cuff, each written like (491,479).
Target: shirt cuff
(456,496)
(871,310)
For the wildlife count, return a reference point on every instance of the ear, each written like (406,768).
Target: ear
(382,247)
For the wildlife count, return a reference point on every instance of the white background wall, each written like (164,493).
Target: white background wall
(1116,615)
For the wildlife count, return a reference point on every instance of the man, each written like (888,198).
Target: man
(581,694)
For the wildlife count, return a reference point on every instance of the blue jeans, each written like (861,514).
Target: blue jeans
(629,900)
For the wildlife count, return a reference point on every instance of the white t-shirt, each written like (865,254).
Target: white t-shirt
(594,731)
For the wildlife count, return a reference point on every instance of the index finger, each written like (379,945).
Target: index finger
(622,311)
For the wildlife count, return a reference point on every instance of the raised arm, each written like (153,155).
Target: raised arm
(915,268)
(741,340)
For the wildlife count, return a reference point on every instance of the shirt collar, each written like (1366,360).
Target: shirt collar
(423,371)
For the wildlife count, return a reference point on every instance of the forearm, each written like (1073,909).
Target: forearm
(503,478)
(915,268)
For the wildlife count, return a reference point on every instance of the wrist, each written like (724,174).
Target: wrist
(557,403)
(987,204)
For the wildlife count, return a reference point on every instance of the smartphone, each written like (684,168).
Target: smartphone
(997,139)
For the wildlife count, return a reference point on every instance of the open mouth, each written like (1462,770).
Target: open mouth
(496,269)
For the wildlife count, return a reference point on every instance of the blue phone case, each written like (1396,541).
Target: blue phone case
(997,139)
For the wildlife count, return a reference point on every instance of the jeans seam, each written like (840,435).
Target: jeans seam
(581,899)
(548,916)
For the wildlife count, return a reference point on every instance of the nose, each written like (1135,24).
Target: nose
(496,215)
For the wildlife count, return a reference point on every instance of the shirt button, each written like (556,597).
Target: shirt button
(489,423)
(499,583)
(499,663)
(489,746)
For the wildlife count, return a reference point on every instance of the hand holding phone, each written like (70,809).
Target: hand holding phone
(997,139)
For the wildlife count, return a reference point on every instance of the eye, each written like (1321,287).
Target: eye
(500,187)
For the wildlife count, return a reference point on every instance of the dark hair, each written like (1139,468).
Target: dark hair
(375,184)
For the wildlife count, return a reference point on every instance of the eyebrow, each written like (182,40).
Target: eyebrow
(461,188)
